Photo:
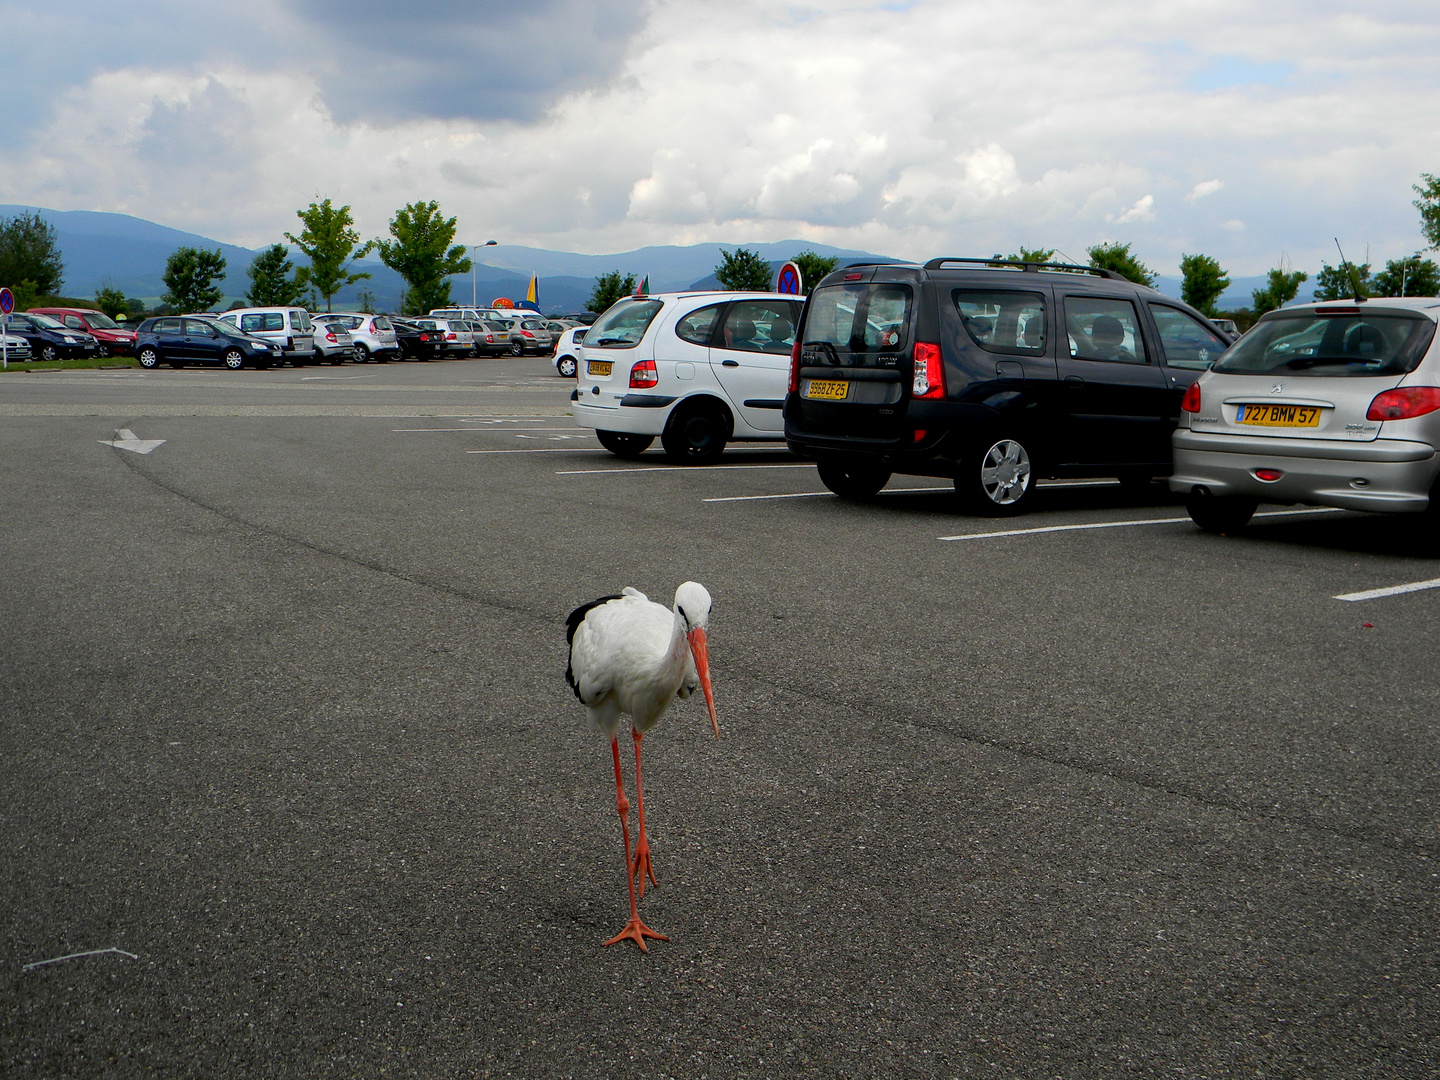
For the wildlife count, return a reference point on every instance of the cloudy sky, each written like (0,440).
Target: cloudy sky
(1253,131)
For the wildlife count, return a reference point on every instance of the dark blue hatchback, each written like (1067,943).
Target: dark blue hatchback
(187,339)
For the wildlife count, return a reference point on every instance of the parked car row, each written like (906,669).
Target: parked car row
(997,375)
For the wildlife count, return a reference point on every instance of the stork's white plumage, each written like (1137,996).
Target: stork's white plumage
(632,657)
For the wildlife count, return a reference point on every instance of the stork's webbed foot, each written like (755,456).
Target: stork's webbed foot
(637,931)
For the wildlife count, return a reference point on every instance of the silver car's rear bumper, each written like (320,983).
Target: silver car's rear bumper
(1389,475)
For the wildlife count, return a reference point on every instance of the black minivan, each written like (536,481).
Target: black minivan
(993,373)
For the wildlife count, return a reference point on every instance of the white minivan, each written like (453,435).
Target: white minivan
(698,369)
(287,327)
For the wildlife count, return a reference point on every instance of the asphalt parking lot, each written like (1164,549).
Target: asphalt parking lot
(1083,793)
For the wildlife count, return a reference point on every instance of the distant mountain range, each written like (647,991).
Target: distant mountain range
(129,253)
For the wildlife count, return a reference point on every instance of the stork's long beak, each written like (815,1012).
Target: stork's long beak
(699,651)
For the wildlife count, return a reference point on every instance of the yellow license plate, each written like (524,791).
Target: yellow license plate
(1278,415)
(827,390)
(598,367)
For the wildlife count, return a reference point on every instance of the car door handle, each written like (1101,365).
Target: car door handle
(729,363)
(1074,382)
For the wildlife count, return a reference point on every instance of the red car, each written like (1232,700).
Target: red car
(112,339)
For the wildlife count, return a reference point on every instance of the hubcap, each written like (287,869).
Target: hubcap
(1005,473)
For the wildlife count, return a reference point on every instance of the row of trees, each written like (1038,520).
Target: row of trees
(421,250)
(740,269)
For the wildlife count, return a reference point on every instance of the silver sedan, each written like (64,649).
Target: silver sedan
(1330,404)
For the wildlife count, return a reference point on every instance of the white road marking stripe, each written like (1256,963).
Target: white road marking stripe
(544,450)
(811,494)
(543,430)
(1393,590)
(696,469)
(1122,524)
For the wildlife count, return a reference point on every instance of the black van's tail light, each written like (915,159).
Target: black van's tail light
(929,378)
(795,367)
(920,434)
(1191,401)
(1404,402)
(643,375)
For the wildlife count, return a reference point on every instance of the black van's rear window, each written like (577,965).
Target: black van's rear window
(1345,339)
(860,318)
(1003,321)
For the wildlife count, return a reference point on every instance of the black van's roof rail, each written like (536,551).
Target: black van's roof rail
(1028,267)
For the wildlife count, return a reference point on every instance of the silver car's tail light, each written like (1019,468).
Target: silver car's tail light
(1404,402)
(1191,401)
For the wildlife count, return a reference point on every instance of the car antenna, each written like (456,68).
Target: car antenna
(1354,273)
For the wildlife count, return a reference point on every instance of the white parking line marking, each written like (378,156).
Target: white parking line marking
(544,450)
(812,494)
(544,430)
(1393,590)
(697,470)
(1121,524)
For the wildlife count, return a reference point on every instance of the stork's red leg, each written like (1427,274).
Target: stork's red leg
(641,865)
(634,929)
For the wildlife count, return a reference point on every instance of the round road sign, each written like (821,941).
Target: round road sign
(7,301)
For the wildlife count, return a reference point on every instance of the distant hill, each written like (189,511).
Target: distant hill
(129,253)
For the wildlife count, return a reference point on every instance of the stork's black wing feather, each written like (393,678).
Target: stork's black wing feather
(572,622)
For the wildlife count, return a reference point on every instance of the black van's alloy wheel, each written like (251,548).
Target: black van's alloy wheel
(234,359)
(623,443)
(998,478)
(1220,513)
(148,357)
(851,481)
(696,434)
(49,352)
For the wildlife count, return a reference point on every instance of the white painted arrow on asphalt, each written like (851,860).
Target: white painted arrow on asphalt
(125,439)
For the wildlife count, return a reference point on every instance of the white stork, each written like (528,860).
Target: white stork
(630,656)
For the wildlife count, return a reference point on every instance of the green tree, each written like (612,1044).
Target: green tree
(329,241)
(271,280)
(424,254)
(365,301)
(1429,206)
(1117,257)
(190,275)
(112,302)
(1413,276)
(609,288)
(1035,255)
(1280,288)
(1203,283)
(30,255)
(743,270)
(1340,282)
(814,267)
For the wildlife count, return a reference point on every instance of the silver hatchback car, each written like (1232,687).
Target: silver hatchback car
(1331,404)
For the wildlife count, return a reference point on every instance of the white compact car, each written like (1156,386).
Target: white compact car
(697,369)
(567,351)
(373,336)
(287,327)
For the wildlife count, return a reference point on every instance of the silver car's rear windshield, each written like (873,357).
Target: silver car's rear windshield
(623,324)
(1349,339)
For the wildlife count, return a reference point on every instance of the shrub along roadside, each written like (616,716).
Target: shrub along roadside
(76,364)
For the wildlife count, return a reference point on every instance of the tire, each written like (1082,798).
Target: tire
(360,354)
(624,444)
(103,350)
(48,352)
(1220,513)
(696,434)
(148,357)
(566,366)
(516,349)
(234,359)
(852,481)
(998,478)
